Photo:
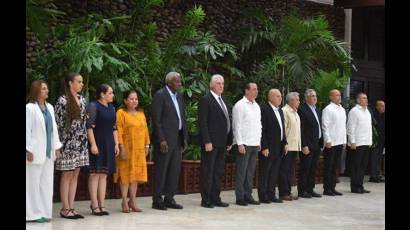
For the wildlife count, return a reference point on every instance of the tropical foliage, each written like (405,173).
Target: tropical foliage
(123,51)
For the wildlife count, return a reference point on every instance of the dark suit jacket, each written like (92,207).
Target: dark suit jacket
(309,127)
(271,131)
(165,118)
(213,123)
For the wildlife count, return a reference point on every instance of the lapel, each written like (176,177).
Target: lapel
(216,103)
(40,116)
(168,96)
(282,116)
(272,113)
(309,111)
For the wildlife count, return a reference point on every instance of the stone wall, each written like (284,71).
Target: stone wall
(222,17)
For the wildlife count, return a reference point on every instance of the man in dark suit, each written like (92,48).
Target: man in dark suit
(169,139)
(215,133)
(312,142)
(272,145)
(376,154)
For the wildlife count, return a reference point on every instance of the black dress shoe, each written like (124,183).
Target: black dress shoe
(357,191)
(382,180)
(328,193)
(265,201)
(241,203)
(337,193)
(173,205)
(305,195)
(220,204)
(365,191)
(314,194)
(276,200)
(374,180)
(207,204)
(159,206)
(252,201)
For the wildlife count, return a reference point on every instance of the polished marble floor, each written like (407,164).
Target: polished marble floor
(350,211)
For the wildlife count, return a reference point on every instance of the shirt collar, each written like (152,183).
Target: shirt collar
(361,107)
(290,108)
(311,106)
(335,105)
(170,92)
(273,107)
(248,101)
(215,95)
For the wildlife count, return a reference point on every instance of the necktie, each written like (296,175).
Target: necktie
(226,114)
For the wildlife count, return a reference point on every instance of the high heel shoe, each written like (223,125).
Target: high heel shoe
(104,212)
(94,212)
(78,216)
(68,211)
(125,209)
(133,208)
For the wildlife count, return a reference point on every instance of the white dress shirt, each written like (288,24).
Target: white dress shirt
(246,123)
(276,111)
(334,124)
(359,126)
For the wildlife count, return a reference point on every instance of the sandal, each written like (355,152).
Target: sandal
(67,212)
(125,209)
(79,216)
(104,212)
(94,212)
(133,208)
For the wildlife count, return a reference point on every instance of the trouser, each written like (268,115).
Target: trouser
(307,170)
(332,163)
(245,171)
(285,173)
(358,163)
(39,190)
(376,155)
(166,172)
(212,170)
(268,176)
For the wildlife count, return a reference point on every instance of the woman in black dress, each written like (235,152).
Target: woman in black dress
(102,135)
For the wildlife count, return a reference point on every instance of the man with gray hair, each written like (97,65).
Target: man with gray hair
(312,142)
(169,139)
(292,132)
(215,133)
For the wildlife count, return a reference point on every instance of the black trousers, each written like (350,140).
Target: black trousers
(166,172)
(307,170)
(268,176)
(358,164)
(332,158)
(376,155)
(212,170)
(285,173)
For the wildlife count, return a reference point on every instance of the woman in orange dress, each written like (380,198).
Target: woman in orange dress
(133,138)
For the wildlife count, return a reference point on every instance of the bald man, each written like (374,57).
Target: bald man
(334,138)
(273,144)
(377,152)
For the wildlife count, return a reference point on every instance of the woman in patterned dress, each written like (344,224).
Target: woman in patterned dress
(70,116)
(102,135)
(134,143)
